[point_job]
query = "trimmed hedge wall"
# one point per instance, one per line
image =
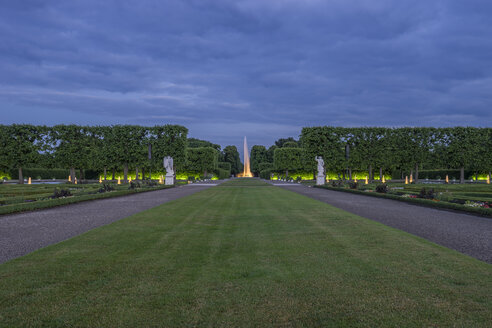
(265, 166)
(223, 174)
(41, 173)
(225, 166)
(265, 174)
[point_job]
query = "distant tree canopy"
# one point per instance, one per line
(258, 155)
(198, 143)
(281, 142)
(231, 155)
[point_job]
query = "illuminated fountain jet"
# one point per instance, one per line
(246, 172)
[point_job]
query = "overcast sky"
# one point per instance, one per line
(260, 68)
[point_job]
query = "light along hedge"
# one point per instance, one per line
(99, 148)
(405, 149)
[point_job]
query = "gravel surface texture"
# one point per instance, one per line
(468, 234)
(24, 233)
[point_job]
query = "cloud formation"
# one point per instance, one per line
(259, 68)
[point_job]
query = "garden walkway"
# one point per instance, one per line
(468, 234)
(23, 233)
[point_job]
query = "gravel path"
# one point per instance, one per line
(23, 233)
(468, 234)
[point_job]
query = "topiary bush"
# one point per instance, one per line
(135, 185)
(354, 185)
(105, 187)
(59, 193)
(382, 188)
(266, 174)
(337, 183)
(427, 193)
(223, 174)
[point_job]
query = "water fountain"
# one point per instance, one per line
(246, 171)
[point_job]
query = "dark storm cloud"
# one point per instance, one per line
(259, 68)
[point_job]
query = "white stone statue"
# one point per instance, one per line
(321, 165)
(320, 178)
(169, 165)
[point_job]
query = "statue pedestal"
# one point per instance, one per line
(320, 180)
(169, 179)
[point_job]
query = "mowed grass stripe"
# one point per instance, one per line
(245, 254)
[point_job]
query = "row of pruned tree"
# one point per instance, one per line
(106, 148)
(384, 149)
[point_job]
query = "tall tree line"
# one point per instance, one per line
(381, 149)
(96, 147)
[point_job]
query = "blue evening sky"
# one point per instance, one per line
(260, 68)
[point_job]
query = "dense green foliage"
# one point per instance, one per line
(258, 155)
(231, 155)
(198, 143)
(245, 254)
(406, 149)
(286, 159)
(19, 145)
(203, 159)
(282, 142)
(90, 147)
(41, 173)
(224, 165)
(222, 174)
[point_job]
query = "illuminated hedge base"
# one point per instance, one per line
(329, 176)
(157, 175)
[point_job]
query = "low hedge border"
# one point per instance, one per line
(487, 212)
(41, 204)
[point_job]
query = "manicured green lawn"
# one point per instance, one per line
(245, 254)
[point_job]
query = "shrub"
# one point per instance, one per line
(354, 185)
(134, 185)
(337, 183)
(266, 174)
(150, 183)
(427, 194)
(58, 193)
(191, 178)
(105, 187)
(382, 188)
(223, 174)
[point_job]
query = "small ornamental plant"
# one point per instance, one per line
(427, 193)
(382, 188)
(409, 196)
(478, 204)
(61, 193)
(354, 185)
